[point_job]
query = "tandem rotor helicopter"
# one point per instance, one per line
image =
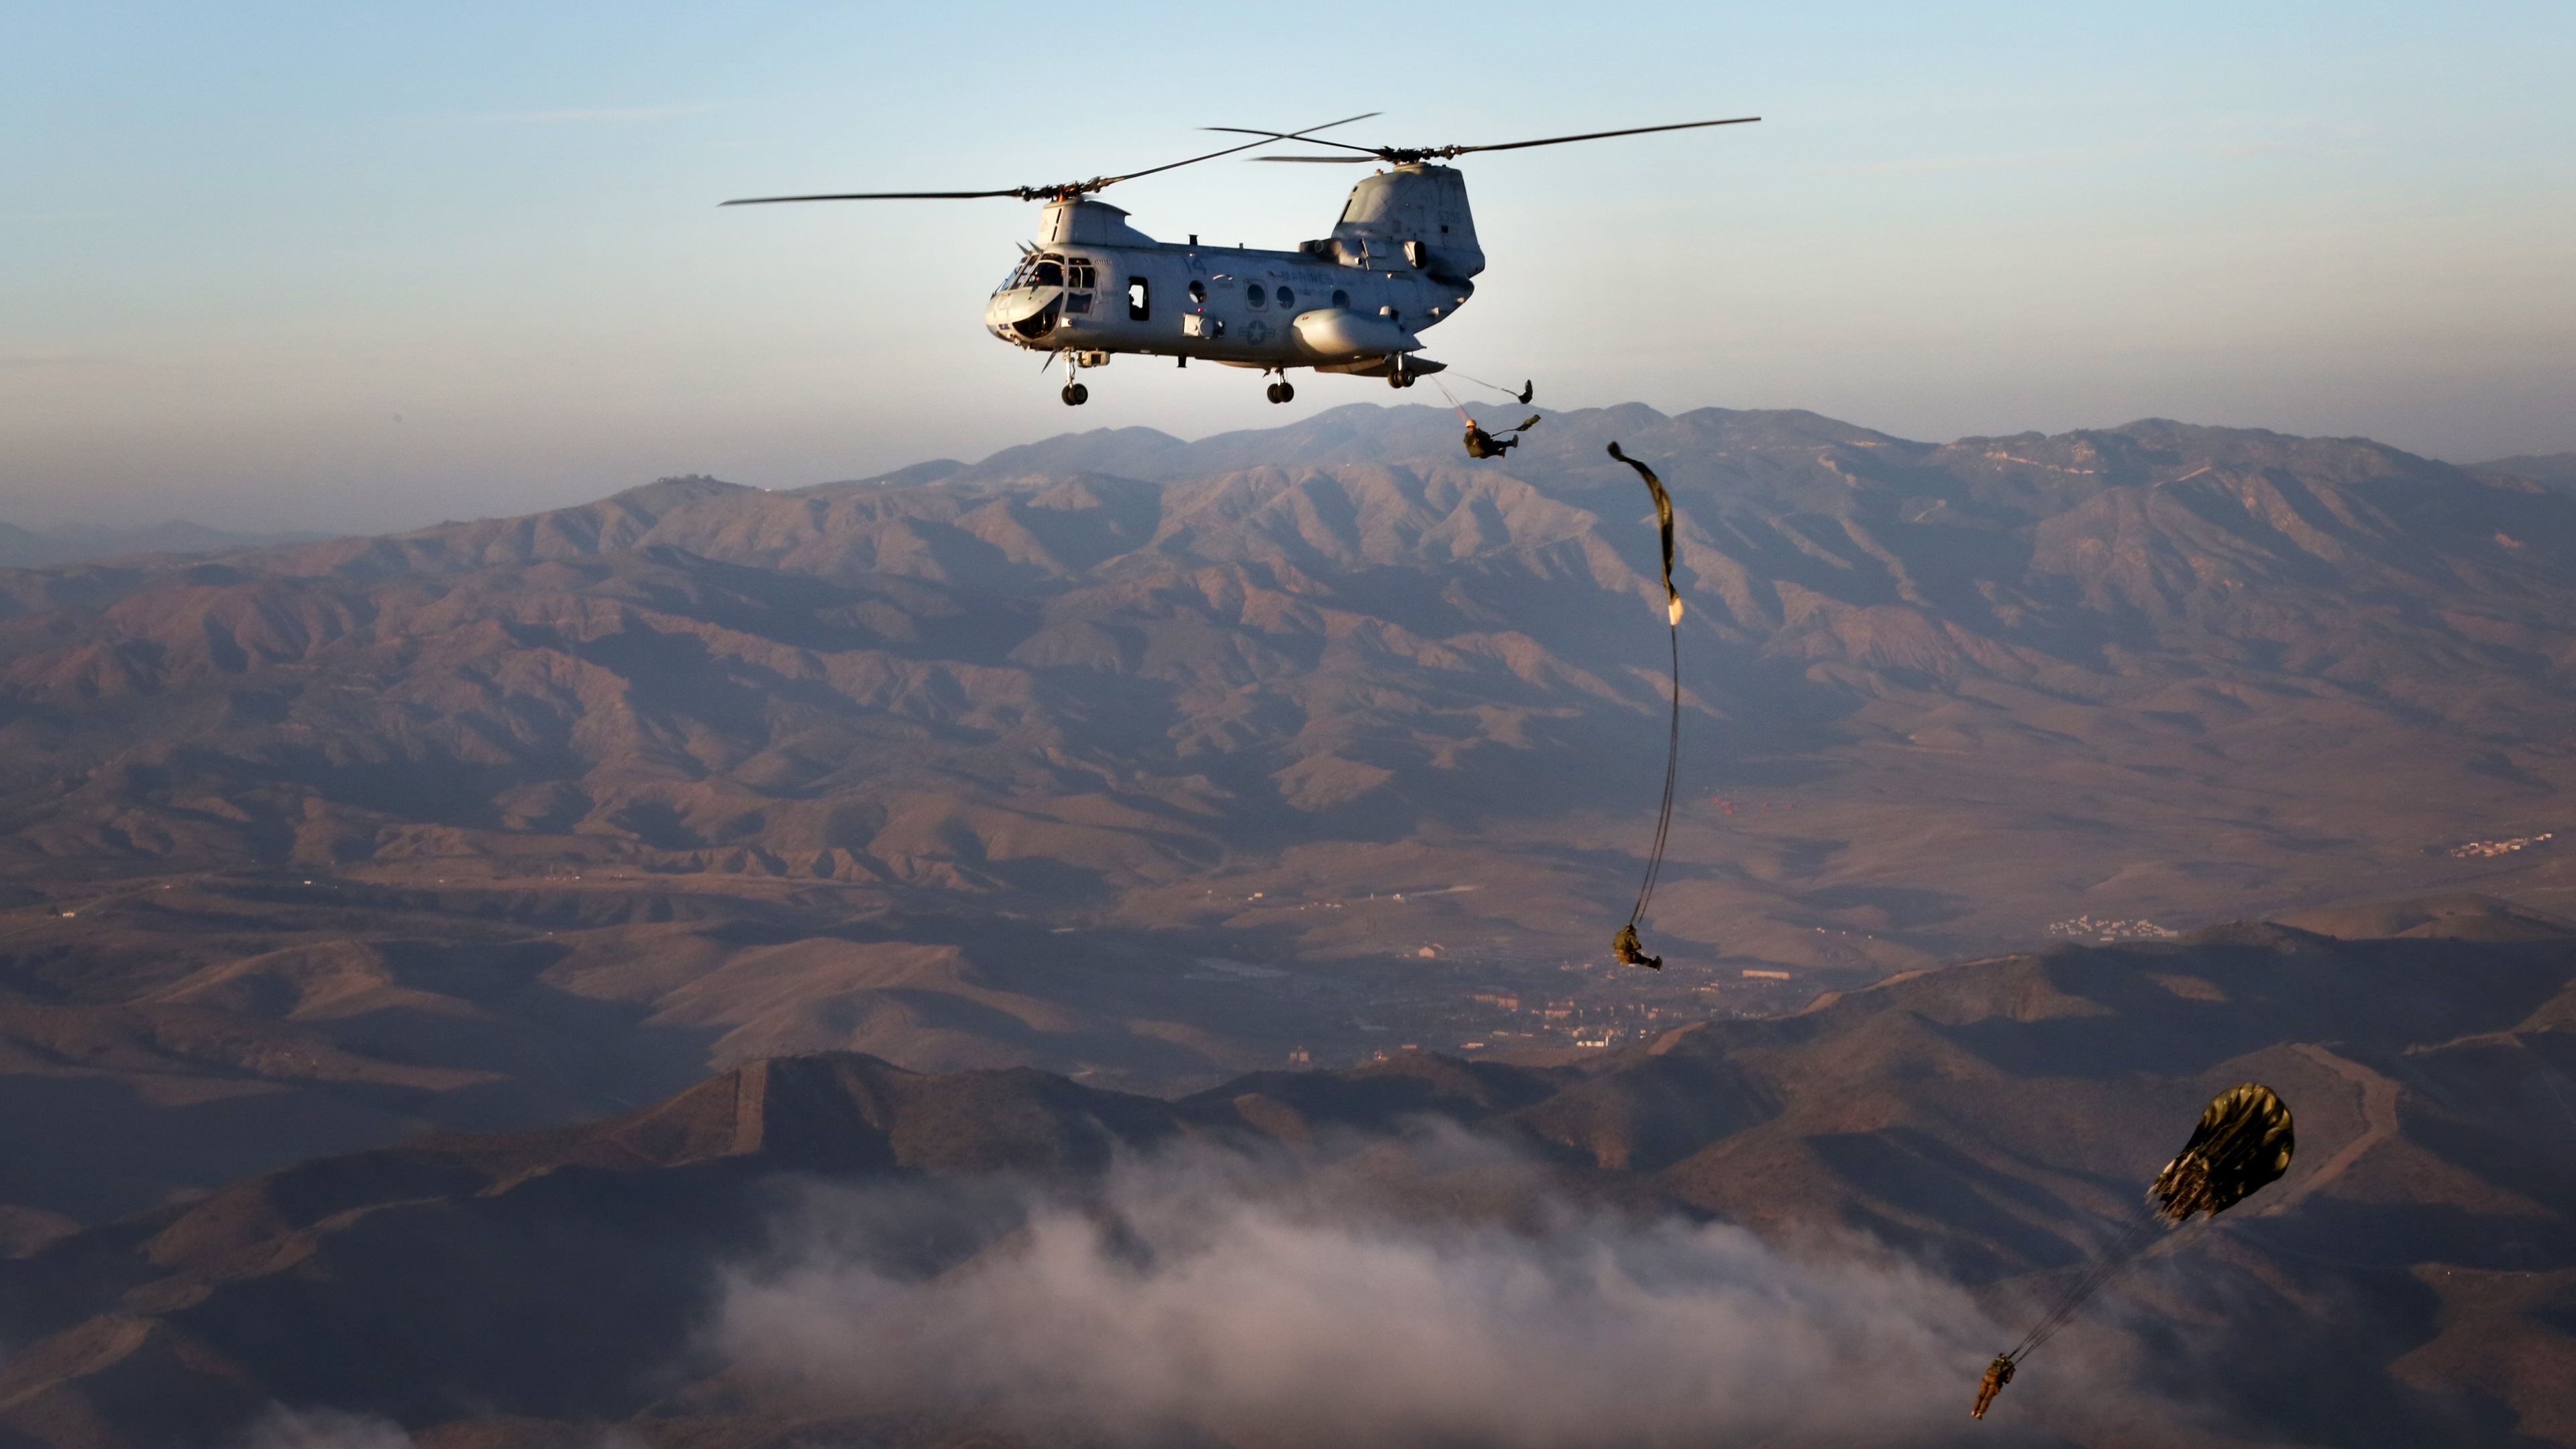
(1400, 260)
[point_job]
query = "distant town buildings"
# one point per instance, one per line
(2087, 928)
(2477, 848)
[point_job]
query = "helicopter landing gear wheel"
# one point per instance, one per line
(1280, 392)
(1075, 394)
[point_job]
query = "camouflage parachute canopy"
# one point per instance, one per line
(2243, 1141)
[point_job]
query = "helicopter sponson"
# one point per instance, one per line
(1401, 259)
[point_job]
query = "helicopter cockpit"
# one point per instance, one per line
(1050, 285)
(1050, 269)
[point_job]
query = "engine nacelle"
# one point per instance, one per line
(1411, 216)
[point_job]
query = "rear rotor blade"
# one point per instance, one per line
(1301, 135)
(1324, 160)
(1598, 135)
(1266, 138)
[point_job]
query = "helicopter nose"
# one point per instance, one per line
(1029, 314)
(1008, 309)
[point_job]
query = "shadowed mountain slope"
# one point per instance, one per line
(2407, 1283)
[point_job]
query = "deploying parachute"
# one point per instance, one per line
(1664, 523)
(2243, 1142)
(1625, 946)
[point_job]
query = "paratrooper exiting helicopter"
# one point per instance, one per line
(1402, 259)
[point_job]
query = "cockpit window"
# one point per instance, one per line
(1047, 273)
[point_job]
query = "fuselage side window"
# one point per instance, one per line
(1341, 298)
(1140, 300)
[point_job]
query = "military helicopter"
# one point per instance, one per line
(1401, 259)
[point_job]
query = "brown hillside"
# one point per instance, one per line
(2405, 1284)
(1158, 762)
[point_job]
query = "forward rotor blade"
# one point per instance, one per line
(1193, 161)
(1325, 160)
(1599, 135)
(874, 196)
(1077, 188)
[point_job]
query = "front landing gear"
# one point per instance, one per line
(1075, 394)
(1282, 391)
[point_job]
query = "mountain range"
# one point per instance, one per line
(28, 548)
(2557, 468)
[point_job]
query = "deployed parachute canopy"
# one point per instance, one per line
(2243, 1142)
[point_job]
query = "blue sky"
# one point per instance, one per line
(348, 266)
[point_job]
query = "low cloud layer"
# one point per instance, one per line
(285, 1427)
(1189, 1300)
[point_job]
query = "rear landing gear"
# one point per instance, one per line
(1282, 391)
(1075, 394)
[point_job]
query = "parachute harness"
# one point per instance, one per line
(1625, 945)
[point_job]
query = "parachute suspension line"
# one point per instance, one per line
(1521, 394)
(1625, 946)
(1454, 405)
(2143, 1243)
(1672, 771)
(2115, 1262)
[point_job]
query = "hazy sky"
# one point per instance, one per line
(363, 266)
